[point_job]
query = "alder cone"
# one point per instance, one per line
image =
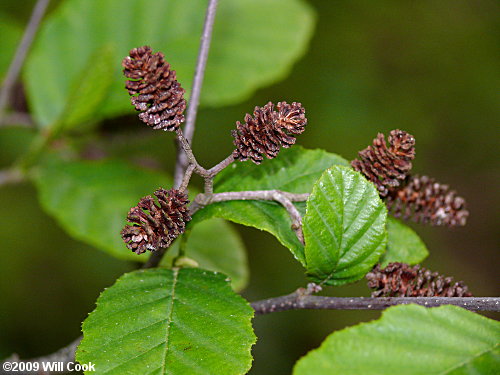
(402, 280)
(387, 166)
(268, 130)
(154, 89)
(426, 201)
(156, 225)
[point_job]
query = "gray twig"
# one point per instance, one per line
(187, 177)
(201, 64)
(21, 52)
(188, 152)
(293, 212)
(299, 301)
(194, 100)
(194, 166)
(219, 167)
(209, 175)
(302, 299)
(267, 195)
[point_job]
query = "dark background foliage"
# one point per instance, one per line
(431, 68)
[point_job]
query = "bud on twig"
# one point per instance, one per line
(154, 89)
(402, 280)
(268, 130)
(156, 226)
(426, 201)
(387, 166)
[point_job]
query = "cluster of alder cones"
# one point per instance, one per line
(159, 97)
(157, 94)
(401, 280)
(420, 198)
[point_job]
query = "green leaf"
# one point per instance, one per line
(410, 340)
(403, 245)
(90, 89)
(216, 246)
(90, 199)
(11, 33)
(294, 170)
(344, 227)
(255, 43)
(160, 321)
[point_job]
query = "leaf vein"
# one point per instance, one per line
(169, 319)
(469, 360)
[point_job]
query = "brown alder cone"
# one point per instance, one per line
(156, 225)
(387, 166)
(154, 89)
(268, 130)
(426, 201)
(402, 280)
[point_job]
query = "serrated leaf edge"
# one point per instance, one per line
(375, 213)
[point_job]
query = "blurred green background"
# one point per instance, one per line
(428, 67)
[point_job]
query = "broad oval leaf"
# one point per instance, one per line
(410, 340)
(403, 244)
(215, 246)
(255, 42)
(161, 321)
(344, 227)
(294, 170)
(90, 199)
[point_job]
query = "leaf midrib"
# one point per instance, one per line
(468, 360)
(169, 318)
